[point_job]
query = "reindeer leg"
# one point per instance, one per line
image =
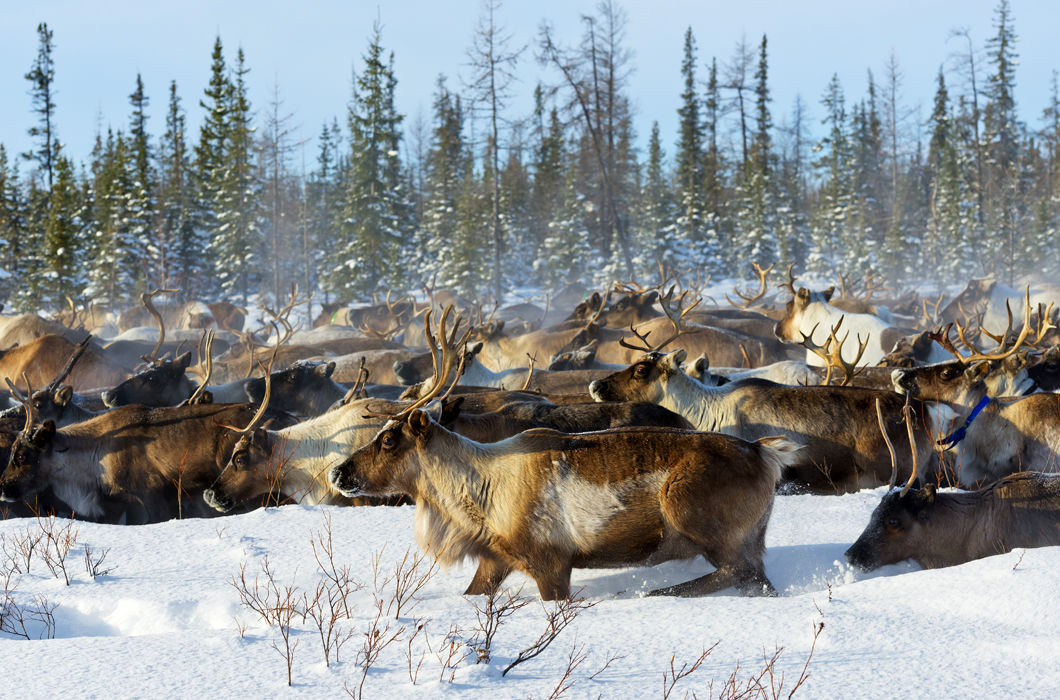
(554, 585)
(488, 577)
(749, 580)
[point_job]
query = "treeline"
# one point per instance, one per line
(484, 201)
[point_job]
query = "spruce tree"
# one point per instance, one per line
(829, 230)
(565, 253)
(62, 262)
(113, 265)
(181, 249)
(690, 151)
(141, 204)
(210, 155)
(42, 80)
(12, 227)
(447, 166)
(548, 173)
(374, 210)
(235, 244)
(1001, 132)
(657, 236)
(758, 242)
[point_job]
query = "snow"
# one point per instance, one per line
(167, 621)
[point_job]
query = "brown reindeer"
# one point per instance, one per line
(843, 450)
(544, 502)
(150, 464)
(937, 529)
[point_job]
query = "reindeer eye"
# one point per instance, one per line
(387, 442)
(640, 371)
(892, 523)
(240, 460)
(949, 373)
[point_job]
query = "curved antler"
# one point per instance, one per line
(146, 300)
(74, 357)
(675, 317)
(790, 284)
(253, 424)
(27, 402)
(197, 395)
(752, 298)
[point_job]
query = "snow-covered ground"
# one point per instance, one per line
(168, 622)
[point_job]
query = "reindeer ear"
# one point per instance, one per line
(977, 371)
(649, 298)
(675, 358)
(828, 293)
(63, 395)
(184, 360)
(325, 370)
(450, 410)
(595, 299)
(420, 422)
(926, 496)
(475, 347)
(803, 294)
(702, 364)
(43, 434)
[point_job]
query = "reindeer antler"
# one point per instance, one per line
(751, 297)
(443, 356)
(675, 316)
(832, 352)
(197, 395)
(253, 424)
(146, 299)
(1002, 352)
(27, 402)
(70, 362)
(790, 284)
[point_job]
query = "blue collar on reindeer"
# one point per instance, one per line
(957, 435)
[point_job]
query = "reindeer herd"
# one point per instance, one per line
(628, 426)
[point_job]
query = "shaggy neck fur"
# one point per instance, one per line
(704, 407)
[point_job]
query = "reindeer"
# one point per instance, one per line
(544, 502)
(810, 312)
(292, 463)
(134, 463)
(842, 449)
(950, 528)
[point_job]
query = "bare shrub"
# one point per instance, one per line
(338, 577)
(764, 684)
(20, 547)
(409, 577)
(575, 658)
(58, 540)
(489, 618)
(94, 562)
(377, 637)
(328, 609)
(17, 620)
(275, 604)
(565, 612)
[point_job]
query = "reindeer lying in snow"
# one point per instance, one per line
(946, 529)
(938, 529)
(544, 502)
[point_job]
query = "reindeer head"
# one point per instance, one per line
(897, 529)
(644, 380)
(162, 383)
(951, 382)
(388, 464)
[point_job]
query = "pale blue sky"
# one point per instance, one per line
(310, 48)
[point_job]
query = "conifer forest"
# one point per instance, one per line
(483, 200)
